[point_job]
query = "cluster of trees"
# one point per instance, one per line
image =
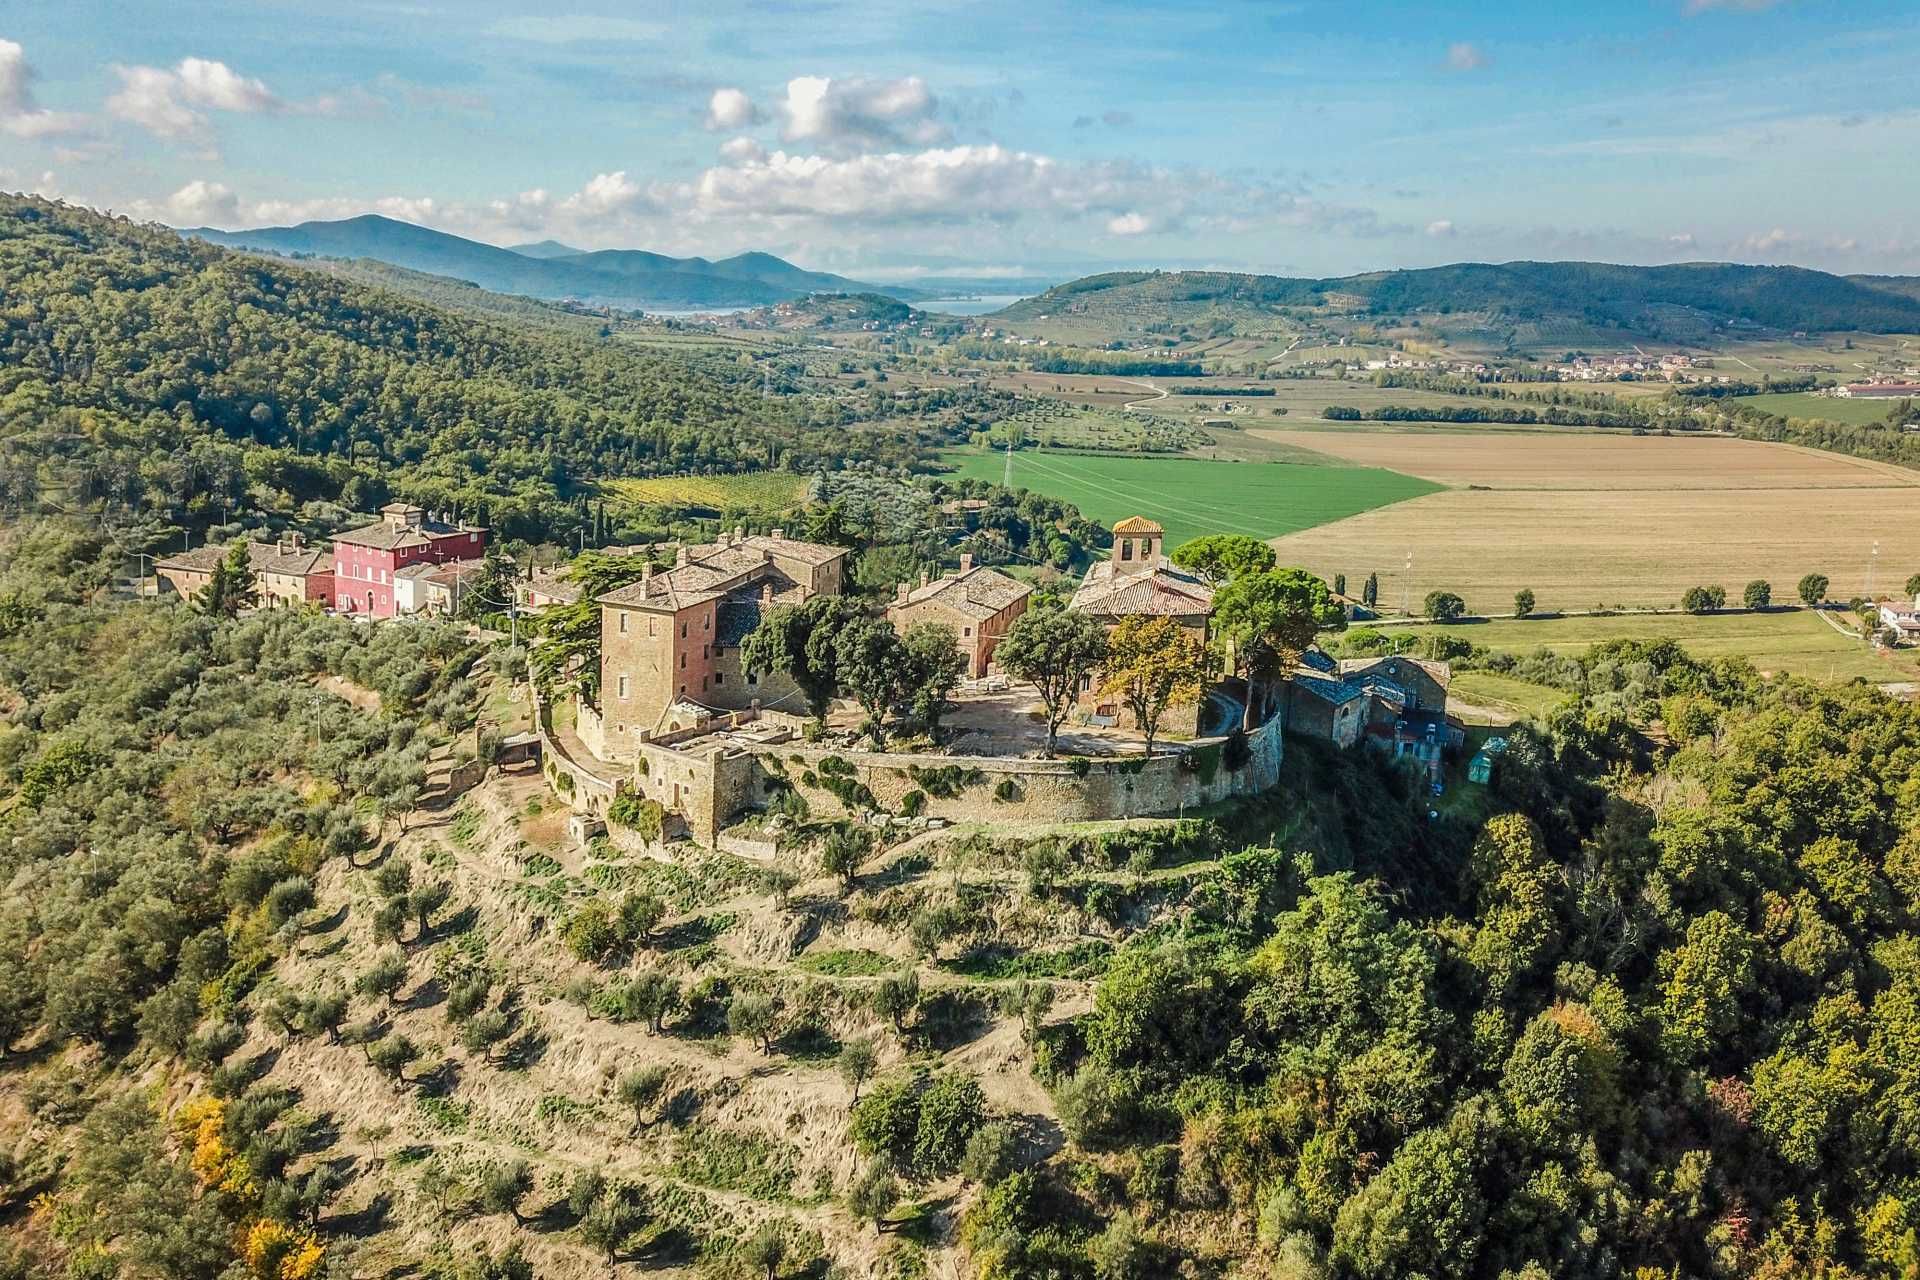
(1650, 1014)
(143, 372)
(829, 646)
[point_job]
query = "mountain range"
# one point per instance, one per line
(633, 279)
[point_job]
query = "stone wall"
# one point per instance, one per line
(1002, 789)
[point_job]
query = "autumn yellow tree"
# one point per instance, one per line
(1152, 664)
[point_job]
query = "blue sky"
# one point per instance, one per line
(983, 136)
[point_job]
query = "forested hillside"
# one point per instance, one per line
(141, 372)
(1786, 298)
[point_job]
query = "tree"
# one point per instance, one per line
(990, 1154)
(856, 1062)
(487, 590)
(1913, 586)
(1758, 594)
(1120, 1252)
(800, 642)
(609, 1223)
(844, 849)
(504, 1186)
(1218, 558)
(486, 1030)
(1340, 584)
(1523, 603)
(1056, 651)
(1370, 591)
(1152, 664)
(1270, 619)
(1813, 589)
(934, 668)
(766, 1248)
(230, 587)
(874, 1193)
(897, 995)
(1698, 600)
(423, 902)
(873, 670)
(755, 1017)
(640, 1089)
(1444, 606)
(386, 976)
(393, 1055)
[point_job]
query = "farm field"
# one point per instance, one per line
(1798, 404)
(1304, 399)
(756, 490)
(1191, 497)
(1588, 519)
(1058, 424)
(1794, 641)
(1504, 695)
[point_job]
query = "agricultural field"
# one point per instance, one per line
(1191, 496)
(1793, 641)
(1477, 696)
(752, 491)
(1831, 408)
(1588, 520)
(1058, 424)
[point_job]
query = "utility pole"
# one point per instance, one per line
(1406, 597)
(1872, 560)
(1006, 481)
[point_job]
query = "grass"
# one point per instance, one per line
(1832, 408)
(1056, 424)
(845, 964)
(1191, 497)
(737, 1160)
(1794, 641)
(755, 490)
(1518, 698)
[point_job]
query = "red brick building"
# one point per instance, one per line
(365, 559)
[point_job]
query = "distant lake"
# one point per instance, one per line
(975, 306)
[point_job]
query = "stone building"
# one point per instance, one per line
(285, 573)
(672, 639)
(979, 603)
(1137, 581)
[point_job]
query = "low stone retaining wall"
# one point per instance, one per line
(987, 788)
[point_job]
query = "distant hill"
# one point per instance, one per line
(545, 249)
(1784, 298)
(627, 278)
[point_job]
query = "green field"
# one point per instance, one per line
(1518, 698)
(1791, 640)
(1191, 497)
(1832, 408)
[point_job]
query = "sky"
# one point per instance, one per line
(994, 138)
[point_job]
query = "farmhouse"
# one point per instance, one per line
(1879, 390)
(979, 603)
(285, 572)
(1904, 622)
(670, 643)
(427, 587)
(366, 559)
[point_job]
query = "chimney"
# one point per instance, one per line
(901, 595)
(779, 534)
(966, 563)
(646, 576)
(923, 577)
(680, 555)
(739, 534)
(766, 595)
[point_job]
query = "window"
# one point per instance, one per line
(703, 684)
(623, 686)
(1126, 548)
(966, 631)
(683, 631)
(683, 662)
(473, 537)
(706, 623)
(752, 678)
(719, 677)
(650, 623)
(623, 623)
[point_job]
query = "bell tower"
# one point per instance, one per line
(1136, 545)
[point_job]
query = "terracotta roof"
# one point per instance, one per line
(554, 583)
(298, 563)
(382, 536)
(712, 572)
(1162, 591)
(203, 558)
(980, 592)
(1137, 524)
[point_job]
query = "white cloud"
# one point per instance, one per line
(731, 109)
(528, 210)
(1464, 56)
(1129, 224)
(203, 204)
(742, 149)
(604, 194)
(861, 114)
(1440, 229)
(20, 114)
(172, 103)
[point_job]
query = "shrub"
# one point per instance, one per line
(990, 1154)
(592, 933)
(637, 813)
(1006, 791)
(1097, 1107)
(912, 803)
